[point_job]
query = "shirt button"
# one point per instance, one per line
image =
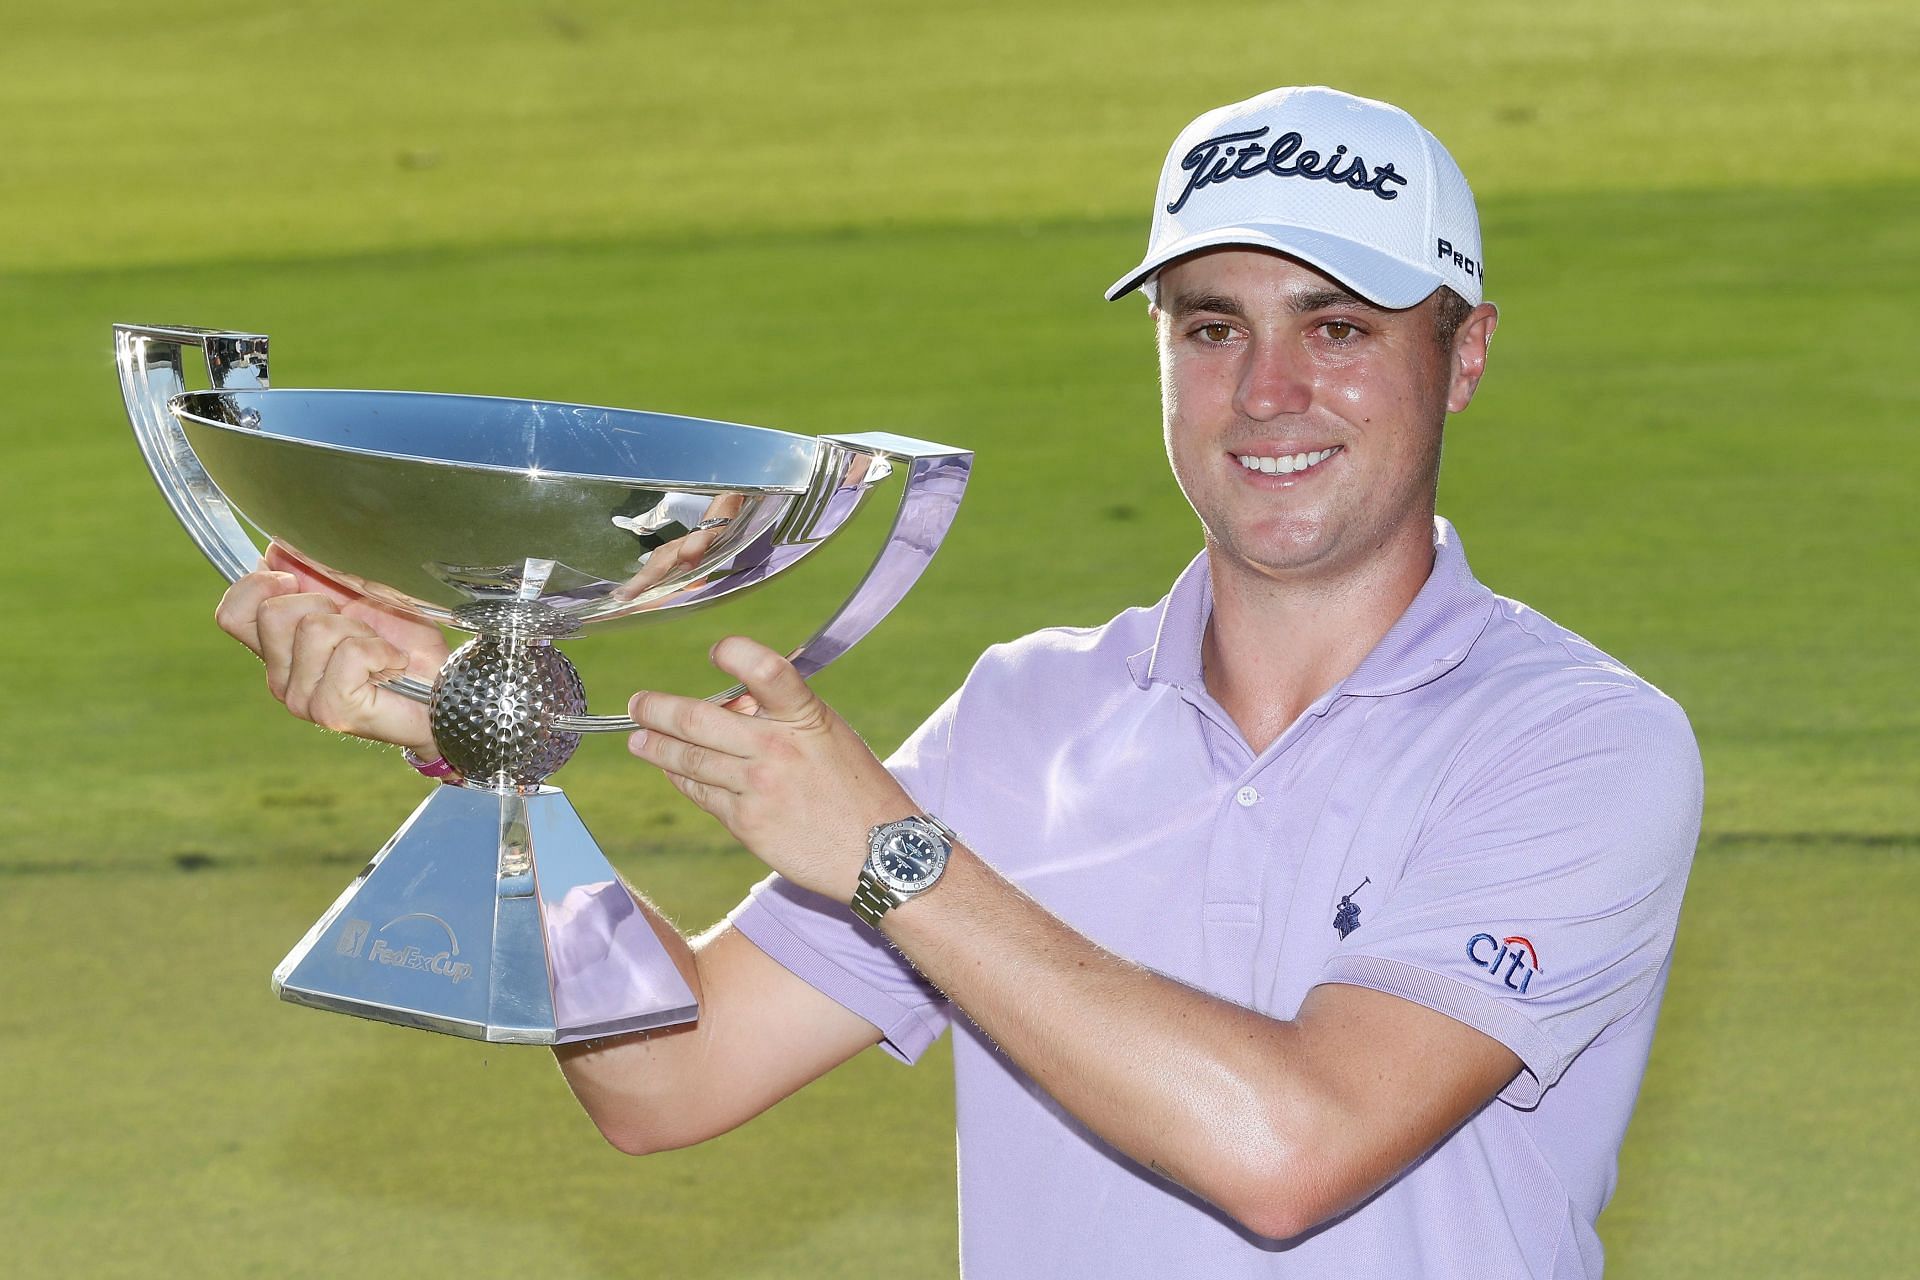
(1248, 797)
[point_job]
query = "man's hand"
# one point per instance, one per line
(325, 651)
(776, 766)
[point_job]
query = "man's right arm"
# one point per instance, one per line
(762, 1033)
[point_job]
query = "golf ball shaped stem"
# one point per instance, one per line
(494, 701)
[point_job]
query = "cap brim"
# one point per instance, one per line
(1381, 279)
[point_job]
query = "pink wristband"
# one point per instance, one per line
(438, 769)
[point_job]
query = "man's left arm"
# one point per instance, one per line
(1280, 1123)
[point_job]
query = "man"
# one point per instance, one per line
(1311, 922)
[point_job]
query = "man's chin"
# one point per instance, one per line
(1290, 555)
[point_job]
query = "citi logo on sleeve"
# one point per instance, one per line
(1511, 961)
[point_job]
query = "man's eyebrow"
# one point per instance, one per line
(1322, 299)
(1185, 304)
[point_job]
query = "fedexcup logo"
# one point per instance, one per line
(1227, 156)
(432, 958)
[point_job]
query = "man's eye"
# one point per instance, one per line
(1339, 330)
(1215, 332)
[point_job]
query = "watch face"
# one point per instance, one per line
(909, 856)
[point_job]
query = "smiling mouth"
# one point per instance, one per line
(1286, 465)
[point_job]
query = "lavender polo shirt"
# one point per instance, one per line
(1489, 817)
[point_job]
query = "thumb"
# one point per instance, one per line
(769, 678)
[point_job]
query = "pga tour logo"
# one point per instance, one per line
(1512, 961)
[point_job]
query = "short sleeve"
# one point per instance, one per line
(825, 945)
(1540, 901)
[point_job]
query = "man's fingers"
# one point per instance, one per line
(769, 677)
(278, 620)
(425, 647)
(239, 609)
(283, 578)
(689, 760)
(346, 699)
(715, 800)
(317, 634)
(693, 720)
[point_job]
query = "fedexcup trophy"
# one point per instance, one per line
(492, 913)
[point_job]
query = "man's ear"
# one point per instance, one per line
(1468, 360)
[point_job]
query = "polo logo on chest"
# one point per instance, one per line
(1511, 961)
(1347, 918)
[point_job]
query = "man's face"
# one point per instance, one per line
(1264, 359)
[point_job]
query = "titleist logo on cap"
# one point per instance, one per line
(1353, 228)
(1227, 156)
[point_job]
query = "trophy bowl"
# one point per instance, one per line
(492, 913)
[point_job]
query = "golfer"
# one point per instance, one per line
(1312, 921)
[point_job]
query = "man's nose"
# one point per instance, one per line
(1276, 381)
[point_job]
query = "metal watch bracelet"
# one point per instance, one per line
(872, 900)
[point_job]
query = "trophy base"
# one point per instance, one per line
(540, 944)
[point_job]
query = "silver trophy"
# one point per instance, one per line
(492, 913)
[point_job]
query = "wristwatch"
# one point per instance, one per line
(904, 859)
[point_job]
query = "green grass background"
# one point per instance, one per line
(1695, 446)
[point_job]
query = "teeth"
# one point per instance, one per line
(1285, 466)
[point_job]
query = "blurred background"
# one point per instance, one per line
(1695, 446)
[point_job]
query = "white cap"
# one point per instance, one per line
(1353, 187)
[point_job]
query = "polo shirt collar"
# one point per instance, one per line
(1431, 638)
(1174, 656)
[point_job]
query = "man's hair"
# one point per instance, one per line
(1449, 316)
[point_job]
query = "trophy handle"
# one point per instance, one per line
(152, 366)
(152, 363)
(936, 478)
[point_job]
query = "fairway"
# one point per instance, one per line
(1694, 446)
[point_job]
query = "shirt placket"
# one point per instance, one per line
(1246, 837)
